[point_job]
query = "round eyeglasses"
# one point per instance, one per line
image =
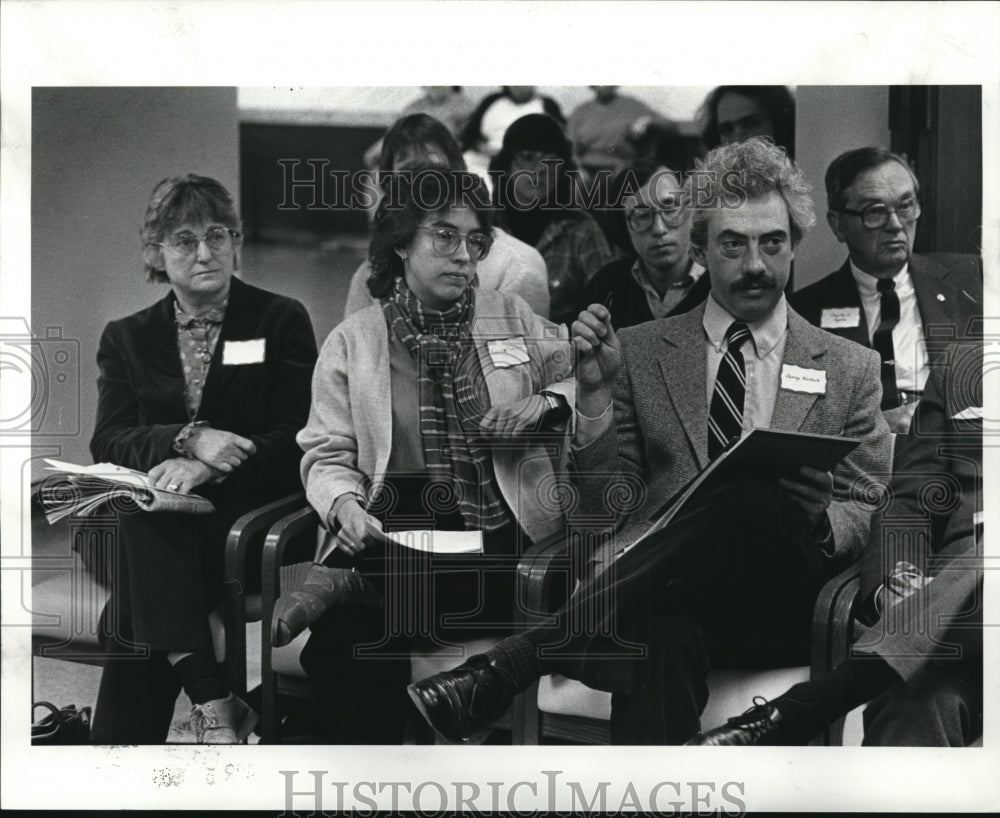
(186, 244)
(877, 215)
(445, 241)
(641, 219)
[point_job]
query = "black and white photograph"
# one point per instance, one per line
(377, 445)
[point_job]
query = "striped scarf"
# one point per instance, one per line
(453, 400)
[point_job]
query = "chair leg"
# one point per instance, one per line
(525, 717)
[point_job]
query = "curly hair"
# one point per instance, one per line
(421, 193)
(749, 170)
(181, 200)
(847, 167)
(775, 100)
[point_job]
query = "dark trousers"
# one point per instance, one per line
(358, 658)
(730, 582)
(934, 641)
(168, 580)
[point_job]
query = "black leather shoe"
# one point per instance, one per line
(322, 588)
(460, 704)
(762, 724)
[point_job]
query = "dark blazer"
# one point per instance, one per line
(949, 289)
(937, 483)
(141, 405)
(628, 301)
(659, 439)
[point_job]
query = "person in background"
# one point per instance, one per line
(658, 277)
(205, 390)
(920, 656)
(446, 103)
(600, 129)
(732, 113)
(497, 112)
(437, 408)
(885, 296)
(535, 191)
(420, 141)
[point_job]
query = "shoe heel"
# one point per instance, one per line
(249, 723)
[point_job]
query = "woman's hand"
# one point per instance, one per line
(181, 474)
(358, 529)
(511, 420)
(219, 449)
(599, 357)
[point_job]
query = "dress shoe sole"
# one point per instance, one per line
(478, 737)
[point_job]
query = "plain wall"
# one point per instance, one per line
(831, 119)
(97, 153)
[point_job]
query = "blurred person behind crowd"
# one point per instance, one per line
(446, 103)
(498, 111)
(658, 277)
(732, 113)
(601, 129)
(536, 193)
(420, 141)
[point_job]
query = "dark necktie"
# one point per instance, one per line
(882, 341)
(725, 415)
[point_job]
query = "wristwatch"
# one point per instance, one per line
(558, 409)
(184, 434)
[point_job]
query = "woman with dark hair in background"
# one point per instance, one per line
(651, 221)
(429, 410)
(732, 113)
(205, 391)
(535, 191)
(420, 141)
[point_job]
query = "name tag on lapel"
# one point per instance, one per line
(840, 318)
(508, 352)
(969, 413)
(799, 379)
(235, 353)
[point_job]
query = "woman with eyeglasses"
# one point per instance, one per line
(534, 189)
(440, 408)
(205, 391)
(652, 219)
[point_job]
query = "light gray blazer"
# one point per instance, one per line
(659, 438)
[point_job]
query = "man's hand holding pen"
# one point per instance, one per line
(598, 359)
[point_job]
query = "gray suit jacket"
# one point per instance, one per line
(658, 440)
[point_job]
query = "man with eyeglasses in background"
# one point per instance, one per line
(885, 296)
(651, 220)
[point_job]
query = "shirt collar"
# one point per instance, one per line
(765, 333)
(215, 315)
(868, 284)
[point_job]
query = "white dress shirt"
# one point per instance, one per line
(908, 342)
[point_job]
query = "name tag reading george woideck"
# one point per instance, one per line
(800, 379)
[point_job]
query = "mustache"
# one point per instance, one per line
(754, 282)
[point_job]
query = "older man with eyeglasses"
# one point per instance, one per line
(885, 296)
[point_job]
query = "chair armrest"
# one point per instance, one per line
(245, 539)
(833, 631)
(535, 574)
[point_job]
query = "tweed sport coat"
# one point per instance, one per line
(659, 438)
(949, 289)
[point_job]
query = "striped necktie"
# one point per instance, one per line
(725, 415)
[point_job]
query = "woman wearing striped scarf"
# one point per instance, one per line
(443, 407)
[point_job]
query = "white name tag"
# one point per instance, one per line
(970, 413)
(800, 379)
(235, 353)
(840, 318)
(508, 352)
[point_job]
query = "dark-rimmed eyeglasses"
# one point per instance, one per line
(186, 244)
(641, 219)
(877, 215)
(445, 241)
